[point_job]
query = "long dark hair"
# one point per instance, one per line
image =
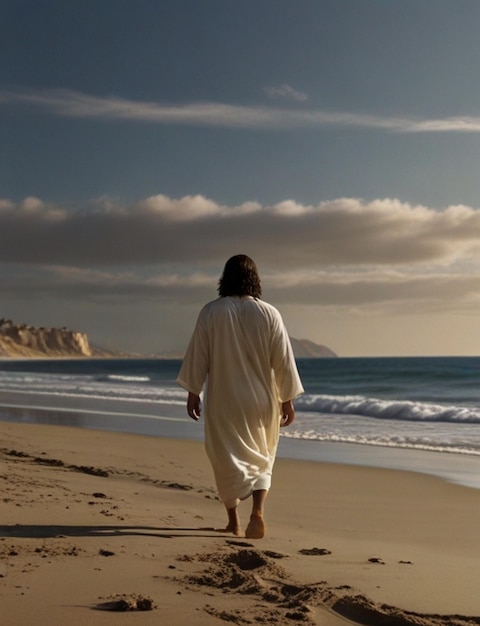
(240, 278)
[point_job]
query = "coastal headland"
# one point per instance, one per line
(25, 341)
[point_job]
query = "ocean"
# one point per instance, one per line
(411, 413)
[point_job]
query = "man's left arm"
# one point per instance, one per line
(193, 406)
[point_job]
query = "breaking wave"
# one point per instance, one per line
(391, 409)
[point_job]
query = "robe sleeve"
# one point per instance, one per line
(195, 365)
(284, 367)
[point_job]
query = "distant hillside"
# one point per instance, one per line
(23, 341)
(302, 349)
(306, 349)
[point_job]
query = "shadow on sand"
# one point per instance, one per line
(37, 531)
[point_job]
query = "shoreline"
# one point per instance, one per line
(97, 414)
(342, 540)
(452, 467)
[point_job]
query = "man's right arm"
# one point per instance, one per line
(288, 413)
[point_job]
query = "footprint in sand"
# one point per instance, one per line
(315, 551)
(376, 559)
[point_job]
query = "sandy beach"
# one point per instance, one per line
(94, 521)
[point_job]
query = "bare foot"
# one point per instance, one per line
(255, 528)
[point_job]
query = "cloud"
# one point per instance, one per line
(68, 103)
(375, 290)
(345, 254)
(195, 229)
(189, 208)
(389, 290)
(287, 92)
(114, 286)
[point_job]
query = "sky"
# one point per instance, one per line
(336, 142)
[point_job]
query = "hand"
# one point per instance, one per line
(193, 406)
(288, 413)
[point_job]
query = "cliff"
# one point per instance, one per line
(22, 341)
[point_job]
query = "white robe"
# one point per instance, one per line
(241, 349)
